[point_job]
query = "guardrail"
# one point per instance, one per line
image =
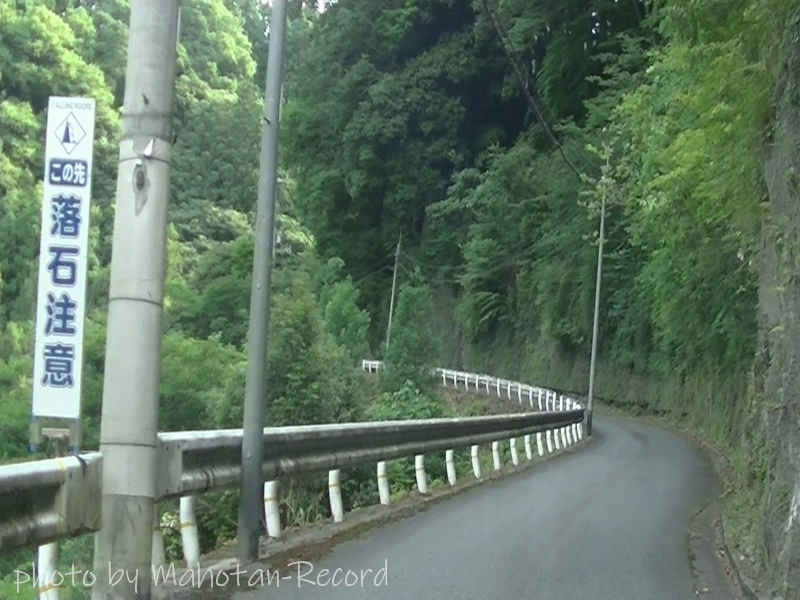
(546, 399)
(46, 501)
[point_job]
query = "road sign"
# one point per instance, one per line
(63, 252)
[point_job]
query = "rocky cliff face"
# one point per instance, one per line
(777, 367)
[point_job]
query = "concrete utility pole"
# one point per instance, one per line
(129, 422)
(590, 403)
(394, 286)
(251, 503)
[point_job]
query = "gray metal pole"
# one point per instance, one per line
(251, 504)
(394, 287)
(590, 403)
(129, 422)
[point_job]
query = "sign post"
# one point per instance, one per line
(63, 253)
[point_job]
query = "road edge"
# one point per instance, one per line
(734, 558)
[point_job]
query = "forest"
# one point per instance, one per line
(482, 136)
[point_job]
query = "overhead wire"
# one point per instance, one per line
(513, 256)
(526, 83)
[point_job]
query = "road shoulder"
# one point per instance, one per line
(720, 570)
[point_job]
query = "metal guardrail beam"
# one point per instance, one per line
(47, 500)
(199, 461)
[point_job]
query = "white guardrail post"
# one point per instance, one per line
(476, 463)
(335, 493)
(271, 510)
(47, 567)
(496, 455)
(422, 478)
(451, 467)
(514, 456)
(383, 483)
(191, 544)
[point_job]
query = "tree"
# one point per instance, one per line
(413, 347)
(345, 322)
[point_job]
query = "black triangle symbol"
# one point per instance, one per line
(66, 139)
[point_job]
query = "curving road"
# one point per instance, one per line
(609, 522)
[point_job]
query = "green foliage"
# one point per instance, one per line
(408, 402)
(310, 378)
(345, 322)
(406, 117)
(318, 331)
(413, 346)
(189, 396)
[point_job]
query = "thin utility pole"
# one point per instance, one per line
(590, 403)
(251, 505)
(394, 287)
(129, 423)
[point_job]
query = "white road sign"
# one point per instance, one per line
(63, 251)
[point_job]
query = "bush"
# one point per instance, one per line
(413, 346)
(410, 403)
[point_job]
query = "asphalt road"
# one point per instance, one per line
(608, 522)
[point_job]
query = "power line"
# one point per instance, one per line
(525, 82)
(371, 274)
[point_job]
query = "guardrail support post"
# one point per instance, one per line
(539, 446)
(47, 566)
(383, 483)
(476, 463)
(568, 431)
(271, 512)
(540, 399)
(555, 438)
(563, 437)
(528, 452)
(514, 456)
(335, 492)
(422, 478)
(159, 557)
(191, 545)
(451, 467)
(496, 455)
